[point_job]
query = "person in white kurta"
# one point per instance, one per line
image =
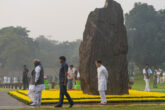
(31, 91)
(163, 75)
(147, 73)
(102, 74)
(158, 72)
(39, 83)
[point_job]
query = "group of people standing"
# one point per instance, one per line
(158, 76)
(36, 85)
(66, 76)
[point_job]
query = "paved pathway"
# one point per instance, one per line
(7, 102)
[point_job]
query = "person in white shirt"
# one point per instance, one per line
(163, 75)
(70, 76)
(78, 76)
(158, 72)
(147, 74)
(102, 74)
(38, 81)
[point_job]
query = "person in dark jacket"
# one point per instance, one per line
(25, 79)
(63, 83)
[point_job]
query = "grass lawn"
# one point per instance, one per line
(140, 85)
(5, 89)
(130, 107)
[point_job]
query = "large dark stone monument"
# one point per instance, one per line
(105, 38)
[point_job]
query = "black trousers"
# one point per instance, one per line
(63, 91)
(25, 85)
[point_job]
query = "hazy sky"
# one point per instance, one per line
(61, 19)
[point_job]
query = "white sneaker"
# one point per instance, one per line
(103, 103)
(39, 104)
(33, 104)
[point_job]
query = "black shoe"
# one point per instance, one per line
(58, 106)
(71, 105)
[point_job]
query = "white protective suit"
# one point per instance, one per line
(102, 82)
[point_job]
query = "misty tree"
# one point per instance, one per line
(17, 49)
(50, 50)
(146, 35)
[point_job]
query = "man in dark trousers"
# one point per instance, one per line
(25, 78)
(63, 83)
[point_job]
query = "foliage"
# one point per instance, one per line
(17, 49)
(49, 51)
(146, 35)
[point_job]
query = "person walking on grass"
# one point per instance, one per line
(147, 74)
(102, 74)
(63, 83)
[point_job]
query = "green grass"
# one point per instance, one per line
(136, 107)
(5, 89)
(139, 84)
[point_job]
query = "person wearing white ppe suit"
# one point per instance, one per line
(38, 81)
(102, 74)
